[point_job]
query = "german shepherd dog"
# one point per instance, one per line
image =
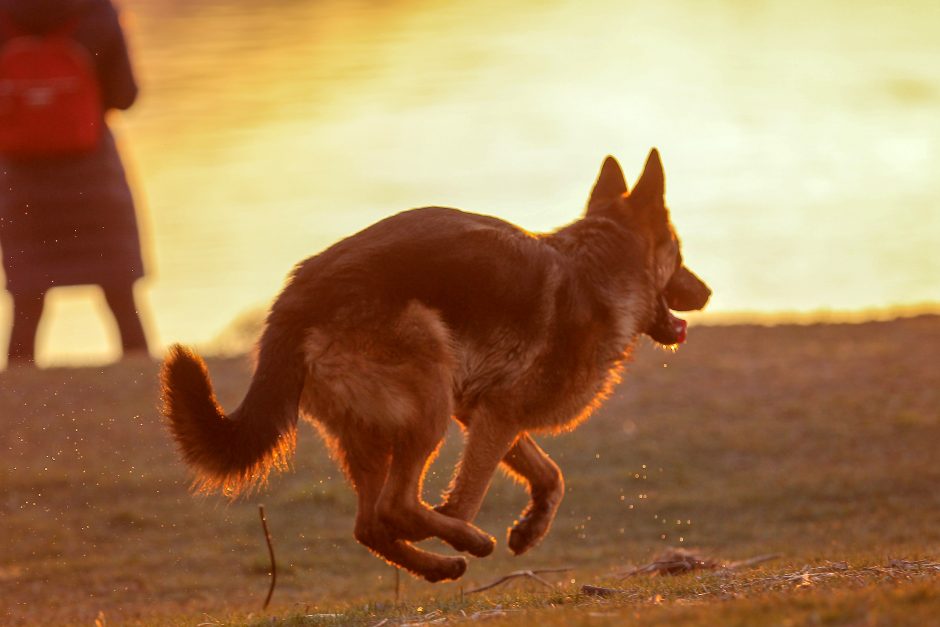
(435, 313)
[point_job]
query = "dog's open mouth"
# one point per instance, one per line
(667, 328)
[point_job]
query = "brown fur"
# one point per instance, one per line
(432, 314)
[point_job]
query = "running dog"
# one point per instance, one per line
(436, 313)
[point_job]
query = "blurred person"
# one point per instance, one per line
(67, 216)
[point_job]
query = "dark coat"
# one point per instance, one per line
(71, 220)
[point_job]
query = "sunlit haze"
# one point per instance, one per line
(801, 142)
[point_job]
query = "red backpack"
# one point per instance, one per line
(50, 99)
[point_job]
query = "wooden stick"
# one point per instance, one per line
(530, 574)
(267, 538)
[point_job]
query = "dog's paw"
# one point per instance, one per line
(518, 542)
(448, 568)
(472, 540)
(482, 546)
(525, 534)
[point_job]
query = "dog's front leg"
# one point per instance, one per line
(546, 489)
(488, 441)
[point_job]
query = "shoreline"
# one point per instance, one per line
(238, 343)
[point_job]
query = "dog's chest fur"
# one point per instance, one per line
(549, 380)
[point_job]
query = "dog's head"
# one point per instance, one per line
(644, 212)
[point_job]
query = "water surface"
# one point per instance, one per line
(801, 140)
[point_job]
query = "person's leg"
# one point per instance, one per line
(120, 299)
(27, 310)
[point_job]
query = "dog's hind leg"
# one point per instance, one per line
(546, 489)
(388, 392)
(401, 509)
(368, 470)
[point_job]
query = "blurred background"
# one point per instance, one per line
(801, 142)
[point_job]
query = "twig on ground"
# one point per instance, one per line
(678, 561)
(914, 565)
(267, 538)
(529, 574)
(760, 559)
(672, 562)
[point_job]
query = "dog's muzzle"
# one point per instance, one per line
(685, 291)
(667, 329)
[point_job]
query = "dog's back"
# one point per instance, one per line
(475, 270)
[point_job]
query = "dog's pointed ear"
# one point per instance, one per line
(609, 187)
(650, 189)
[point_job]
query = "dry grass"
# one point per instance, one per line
(815, 442)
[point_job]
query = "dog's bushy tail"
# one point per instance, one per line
(233, 452)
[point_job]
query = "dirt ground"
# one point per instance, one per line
(816, 442)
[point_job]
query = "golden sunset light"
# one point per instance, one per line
(427, 312)
(800, 141)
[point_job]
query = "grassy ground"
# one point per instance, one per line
(819, 443)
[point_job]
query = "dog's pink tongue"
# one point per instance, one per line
(681, 327)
